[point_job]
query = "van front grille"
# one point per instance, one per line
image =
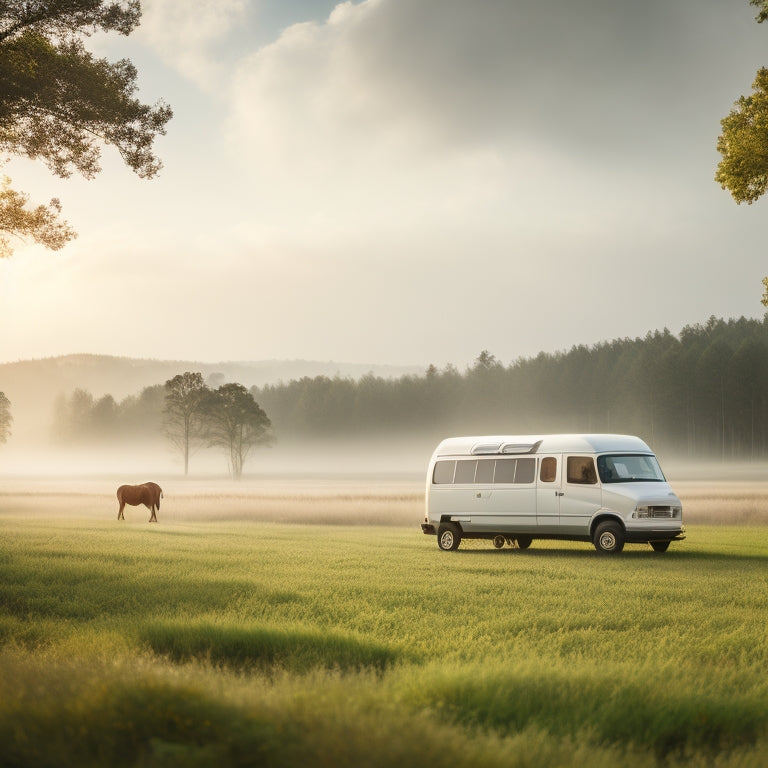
(663, 513)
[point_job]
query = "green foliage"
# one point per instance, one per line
(58, 100)
(41, 223)
(215, 644)
(743, 144)
(763, 6)
(60, 104)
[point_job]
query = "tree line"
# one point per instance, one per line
(185, 410)
(702, 393)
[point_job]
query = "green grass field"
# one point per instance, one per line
(219, 638)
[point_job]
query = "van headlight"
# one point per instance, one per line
(641, 511)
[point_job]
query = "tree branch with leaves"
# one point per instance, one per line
(743, 143)
(59, 104)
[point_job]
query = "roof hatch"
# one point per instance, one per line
(520, 447)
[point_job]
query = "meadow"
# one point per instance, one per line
(293, 623)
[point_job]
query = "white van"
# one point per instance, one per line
(607, 489)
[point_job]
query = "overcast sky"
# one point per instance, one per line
(405, 182)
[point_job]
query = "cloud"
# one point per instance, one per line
(190, 37)
(433, 120)
(398, 75)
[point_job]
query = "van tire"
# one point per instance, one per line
(608, 538)
(448, 537)
(523, 542)
(659, 546)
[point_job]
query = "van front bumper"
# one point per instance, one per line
(654, 534)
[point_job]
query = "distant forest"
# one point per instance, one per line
(702, 393)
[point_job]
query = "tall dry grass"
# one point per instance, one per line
(332, 500)
(724, 502)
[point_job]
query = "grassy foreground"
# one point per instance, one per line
(250, 643)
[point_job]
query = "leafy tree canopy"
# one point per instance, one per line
(236, 423)
(41, 223)
(743, 144)
(763, 6)
(60, 104)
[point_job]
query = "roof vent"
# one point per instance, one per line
(483, 449)
(520, 447)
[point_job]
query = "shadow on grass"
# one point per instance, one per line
(642, 711)
(634, 553)
(265, 649)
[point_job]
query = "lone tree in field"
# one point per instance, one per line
(60, 104)
(5, 418)
(236, 423)
(183, 415)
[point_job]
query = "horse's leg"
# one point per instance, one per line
(120, 515)
(153, 519)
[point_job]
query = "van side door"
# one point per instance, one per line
(548, 493)
(582, 495)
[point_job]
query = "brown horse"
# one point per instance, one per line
(148, 494)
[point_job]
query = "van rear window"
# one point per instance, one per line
(443, 473)
(485, 471)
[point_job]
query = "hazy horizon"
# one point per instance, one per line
(404, 182)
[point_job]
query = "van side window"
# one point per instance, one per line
(465, 471)
(505, 471)
(484, 473)
(518, 471)
(526, 471)
(443, 472)
(548, 471)
(581, 469)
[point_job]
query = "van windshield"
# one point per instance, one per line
(629, 468)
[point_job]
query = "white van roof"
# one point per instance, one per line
(519, 444)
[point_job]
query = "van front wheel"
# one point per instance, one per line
(448, 537)
(609, 538)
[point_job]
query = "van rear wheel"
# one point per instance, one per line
(523, 542)
(448, 537)
(660, 546)
(609, 538)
